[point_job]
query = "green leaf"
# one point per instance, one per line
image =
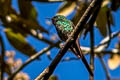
(53, 77)
(67, 8)
(79, 12)
(19, 42)
(29, 16)
(101, 21)
(27, 10)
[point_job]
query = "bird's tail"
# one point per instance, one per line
(75, 48)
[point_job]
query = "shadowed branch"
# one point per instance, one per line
(104, 66)
(2, 57)
(49, 70)
(32, 58)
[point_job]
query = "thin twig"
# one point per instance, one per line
(41, 38)
(24, 29)
(91, 23)
(87, 50)
(106, 39)
(104, 66)
(2, 57)
(104, 42)
(109, 27)
(92, 19)
(92, 51)
(49, 70)
(32, 58)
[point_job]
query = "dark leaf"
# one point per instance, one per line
(19, 42)
(115, 4)
(101, 21)
(29, 16)
(27, 10)
(53, 77)
(79, 12)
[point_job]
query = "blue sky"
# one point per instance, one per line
(71, 70)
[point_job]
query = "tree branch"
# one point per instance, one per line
(2, 56)
(49, 70)
(92, 51)
(104, 42)
(105, 69)
(32, 58)
(87, 50)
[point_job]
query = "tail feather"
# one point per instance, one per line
(75, 48)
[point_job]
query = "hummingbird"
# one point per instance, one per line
(64, 29)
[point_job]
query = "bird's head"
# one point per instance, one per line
(58, 18)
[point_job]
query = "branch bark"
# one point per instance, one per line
(91, 25)
(49, 70)
(32, 58)
(104, 66)
(92, 51)
(2, 57)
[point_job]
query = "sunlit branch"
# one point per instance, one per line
(104, 42)
(97, 51)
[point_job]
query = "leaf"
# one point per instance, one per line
(19, 42)
(29, 16)
(53, 77)
(27, 10)
(115, 4)
(101, 21)
(114, 62)
(4, 6)
(15, 27)
(79, 12)
(24, 24)
(67, 8)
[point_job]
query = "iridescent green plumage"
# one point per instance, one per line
(64, 29)
(63, 26)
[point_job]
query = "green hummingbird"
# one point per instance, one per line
(64, 29)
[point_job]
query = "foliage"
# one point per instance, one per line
(18, 26)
